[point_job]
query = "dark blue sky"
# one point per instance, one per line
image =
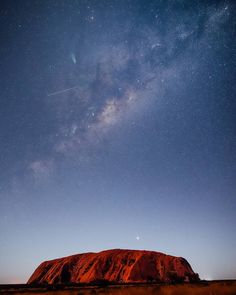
(117, 130)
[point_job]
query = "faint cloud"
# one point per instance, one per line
(41, 168)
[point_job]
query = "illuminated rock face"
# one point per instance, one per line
(114, 266)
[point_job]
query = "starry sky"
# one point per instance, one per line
(117, 130)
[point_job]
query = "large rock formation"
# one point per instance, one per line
(114, 266)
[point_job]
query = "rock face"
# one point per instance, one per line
(114, 266)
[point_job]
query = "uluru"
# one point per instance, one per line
(114, 266)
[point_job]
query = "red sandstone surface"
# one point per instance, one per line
(114, 266)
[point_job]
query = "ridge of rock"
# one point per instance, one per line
(114, 266)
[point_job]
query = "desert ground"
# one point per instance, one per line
(202, 288)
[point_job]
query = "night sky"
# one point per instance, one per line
(117, 130)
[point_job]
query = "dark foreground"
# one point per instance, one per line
(201, 288)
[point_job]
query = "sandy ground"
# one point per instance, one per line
(207, 288)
